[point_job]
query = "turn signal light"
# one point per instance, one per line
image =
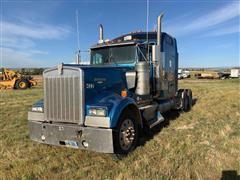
(124, 93)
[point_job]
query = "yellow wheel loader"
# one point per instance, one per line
(10, 79)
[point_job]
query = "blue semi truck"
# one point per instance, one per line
(105, 106)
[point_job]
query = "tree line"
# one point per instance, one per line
(31, 71)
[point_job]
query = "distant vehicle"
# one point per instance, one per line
(213, 75)
(182, 74)
(224, 75)
(235, 73)
(205, 76)
(10, 79)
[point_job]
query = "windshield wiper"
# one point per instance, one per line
(112, 59)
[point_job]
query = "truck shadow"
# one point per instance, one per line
(169, 116)
(230, 174)
(194, 101)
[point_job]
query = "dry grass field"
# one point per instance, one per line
(200, 144)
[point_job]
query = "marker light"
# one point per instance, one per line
(124, 93)
(127, 38)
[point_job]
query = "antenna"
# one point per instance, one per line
(78, 58)
(147, 29)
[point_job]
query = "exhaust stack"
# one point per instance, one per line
(159, 29)
(100, 34)
(157, 60)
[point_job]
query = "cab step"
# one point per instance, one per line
(156, 121)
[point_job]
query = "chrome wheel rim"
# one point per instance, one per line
(127, 134)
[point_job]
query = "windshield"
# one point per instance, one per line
(114, 55)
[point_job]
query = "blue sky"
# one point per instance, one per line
(43, 33)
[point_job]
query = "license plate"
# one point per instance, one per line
(72, 144)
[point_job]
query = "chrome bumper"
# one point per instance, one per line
(72, 135)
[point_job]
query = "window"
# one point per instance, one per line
(99, 56)
(114, 55)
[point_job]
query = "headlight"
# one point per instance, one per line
(97, 111)
(37, 109)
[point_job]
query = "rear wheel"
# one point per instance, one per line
(184, 100)
(22, 84)
(189, 95)
(126, 134)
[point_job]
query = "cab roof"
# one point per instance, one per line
(130, 38)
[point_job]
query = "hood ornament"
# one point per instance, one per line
(60, 69)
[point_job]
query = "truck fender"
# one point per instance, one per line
(116, 104)
(119, 108)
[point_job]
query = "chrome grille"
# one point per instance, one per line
(63, 99)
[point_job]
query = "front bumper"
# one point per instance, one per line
(72, 135)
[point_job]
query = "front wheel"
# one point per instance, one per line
(126, 134)
(22, 84)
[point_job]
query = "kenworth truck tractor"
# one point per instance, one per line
(105, 106)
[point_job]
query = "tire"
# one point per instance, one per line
(185, 103)
(126, 134)
(22, 84)
(16, 84)
(190, 103)
(186, 100)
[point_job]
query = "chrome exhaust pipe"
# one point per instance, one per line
(100, 34)
(159, 29)
(157, 60)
